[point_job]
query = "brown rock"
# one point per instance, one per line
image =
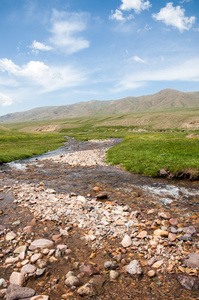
(164, 215)
(160, 232)
(102, 196)
(157, 264)
(173, 222)
(96, 189)
(151, 273)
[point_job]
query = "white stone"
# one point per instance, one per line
(126, 242)
(17, 278)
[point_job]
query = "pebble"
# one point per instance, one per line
(72, 281)
(158, 264)
(41, 243)
(159, 232)
(10, 236)
(126, 242)
(151, 273)
(114, 275)
(134, 268)
(110, 265)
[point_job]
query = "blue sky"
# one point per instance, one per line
(65, 51)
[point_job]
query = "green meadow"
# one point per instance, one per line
(144, 152)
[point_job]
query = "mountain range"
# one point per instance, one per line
(167, 99)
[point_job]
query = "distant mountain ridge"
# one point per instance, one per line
(164, 100)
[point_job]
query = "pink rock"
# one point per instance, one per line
(126, 242)
(172, 237)
(35, 257)
(173, 222)
(159, 232)
(27, 229)
(157, 264)
(28, 270)
(17, 278)
(142, 234)
(164, 215)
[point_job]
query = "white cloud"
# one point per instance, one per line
(65, 31)
(136, 5)
(187, 71)
(174, 16)
(40, 46)
(5, 100)
(47, 78)
(117, 15)
(138, 59)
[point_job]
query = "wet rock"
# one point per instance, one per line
(10, 236)
(114, 275)
(188, 282)
(191, 231)
(192, 260)
(16, 292)
(88, 269)
(17, 278)
(28, 270)
(102, 196)
(126, 242)
(110, 265)
(41, 243)
(72, 281)
(163, 173)
(134, 268)
(40, 272)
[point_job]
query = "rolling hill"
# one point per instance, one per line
(164, 100)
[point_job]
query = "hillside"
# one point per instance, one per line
(167, 99)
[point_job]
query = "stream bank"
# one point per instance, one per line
(57, 202)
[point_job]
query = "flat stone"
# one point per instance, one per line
(126, 242)
(28, 229)
(28, 269)
(88, 269)
(17, 278)
(159, 232)
(173, 221)
(16, 292)
(35, 257)
(188, 282)
(10, 236)
(41, 243)
(142, 234)
(191, 231)
(164, 215)
(102, 196)
(192, 260)
(158, 264)
(134, 268)
(20, 249)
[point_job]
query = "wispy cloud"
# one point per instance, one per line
(138, 59)
(37, 46)
(46, 77)
(5, 100)
(65, 31)
(187, 71)
(174, 16)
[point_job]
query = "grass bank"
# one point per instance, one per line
(16, 145)
(148, 152)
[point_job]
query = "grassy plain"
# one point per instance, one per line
(16, 145)
(144, 152)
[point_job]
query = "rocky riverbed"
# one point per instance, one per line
(73, 227)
